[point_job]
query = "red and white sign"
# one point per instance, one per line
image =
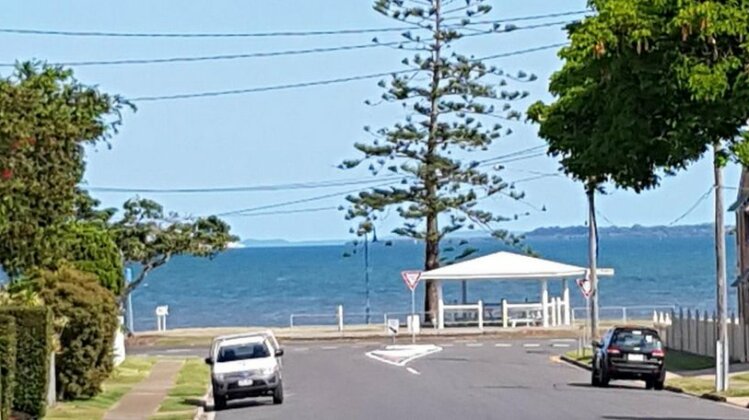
(411, 278)
(585, 287)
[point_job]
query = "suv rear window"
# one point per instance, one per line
(636, 339)
(243, 352)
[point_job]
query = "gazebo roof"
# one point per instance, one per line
(508, 265)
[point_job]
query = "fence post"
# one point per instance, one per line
(481, 315)
(339, 315)
(689, 331)
(560, 321)
(505, 313)
(624, 314)
(697, 331)
(291, 321)
(681, 329)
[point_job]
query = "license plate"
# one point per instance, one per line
(635, 357)
(245, 382)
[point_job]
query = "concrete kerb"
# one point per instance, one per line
(671, 388)
(201, 413)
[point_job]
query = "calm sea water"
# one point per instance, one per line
(263, 286)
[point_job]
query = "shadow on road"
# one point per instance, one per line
(235, 405)
(611, 386)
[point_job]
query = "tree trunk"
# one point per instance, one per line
(430, 180)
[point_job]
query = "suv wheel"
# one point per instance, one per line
(219, 402)
(603, 377)
(278, 394)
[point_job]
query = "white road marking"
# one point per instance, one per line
(560, 345)
(447, 345)
(401, 355)
(300, 349)
(505, 345)
(567, 340)
(177, 350)
(531, 345)
(475, 345)
(414, 371)
(329, 347)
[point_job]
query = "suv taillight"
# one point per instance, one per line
(613, 350)
(658, 353)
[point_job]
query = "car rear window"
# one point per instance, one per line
(636, 340)
(243, 352)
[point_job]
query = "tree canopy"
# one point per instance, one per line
(46, 118)
(455, 105)
(646, 88)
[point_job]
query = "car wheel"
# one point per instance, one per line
(278, 394)
(594, 378)
(604, 377)
(219, 402)
(649, 383)
(658, 384)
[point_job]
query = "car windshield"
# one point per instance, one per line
(242, 352)
(636, 339)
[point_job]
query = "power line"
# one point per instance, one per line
(105, 34)
(257, 188)
(300, 201)
(699, 201)
(225, 57)
(277, 212)
(307, 84)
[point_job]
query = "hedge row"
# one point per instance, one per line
(7, 364)
(33, 349)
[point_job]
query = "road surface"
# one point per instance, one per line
(481, 380)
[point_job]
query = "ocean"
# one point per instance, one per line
(264, 286)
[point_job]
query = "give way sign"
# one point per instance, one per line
(585, 287)
(411, 278)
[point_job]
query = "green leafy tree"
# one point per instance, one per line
(455, 106)
(46, 119)
(91, 248)
(647, 88)
(85, 316)
(149, 237)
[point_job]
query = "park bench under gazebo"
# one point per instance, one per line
(508, 266)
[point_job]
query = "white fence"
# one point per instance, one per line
(623, 314)
(461, 314)
(696, 332)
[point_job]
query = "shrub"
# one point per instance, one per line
(33, 347)
(7, 364)
(91, 248)
(86, 322)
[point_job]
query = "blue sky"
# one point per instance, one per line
(296, 135)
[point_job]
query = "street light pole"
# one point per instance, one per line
(721, 347)
(366, 278)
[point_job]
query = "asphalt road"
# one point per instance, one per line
(515, 380)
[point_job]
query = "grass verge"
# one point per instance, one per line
(706, 386)
(185, 396)
(133, 370)
(676, 361)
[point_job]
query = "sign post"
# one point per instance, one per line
(586, 288)
(411, 278)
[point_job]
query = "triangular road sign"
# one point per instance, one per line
(585, 287)
(411, 278)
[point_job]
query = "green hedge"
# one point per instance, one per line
(34, 346)
(7, 364)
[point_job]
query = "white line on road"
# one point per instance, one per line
(177, 351)
(505, 345)
(566, 340)
(447, 345)
(329, 347)
(559, 345)
(531, 345)
(474, 345)
(414, 371)
(300, 349)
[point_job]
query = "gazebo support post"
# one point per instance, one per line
(566, 298)
(440, 307)
(545, 303)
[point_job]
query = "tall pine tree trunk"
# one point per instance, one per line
(432, 247)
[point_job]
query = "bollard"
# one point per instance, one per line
(339, 315)
(481, 315)
(505, 313)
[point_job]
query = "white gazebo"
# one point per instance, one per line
(509, 266)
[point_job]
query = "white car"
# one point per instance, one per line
(244, 366)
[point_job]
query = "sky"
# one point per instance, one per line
(299, 135)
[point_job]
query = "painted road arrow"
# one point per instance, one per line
(401, 355)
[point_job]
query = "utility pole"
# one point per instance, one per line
(592, 260)
(128, 280)
(721, 346)
(366, 278)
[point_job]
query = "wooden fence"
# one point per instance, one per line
(695, 332)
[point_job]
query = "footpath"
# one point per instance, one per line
(145, 398)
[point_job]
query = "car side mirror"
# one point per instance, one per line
(208, 361)
(279, 352)
(597, 344)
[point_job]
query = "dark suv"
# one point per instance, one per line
(629, 353)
